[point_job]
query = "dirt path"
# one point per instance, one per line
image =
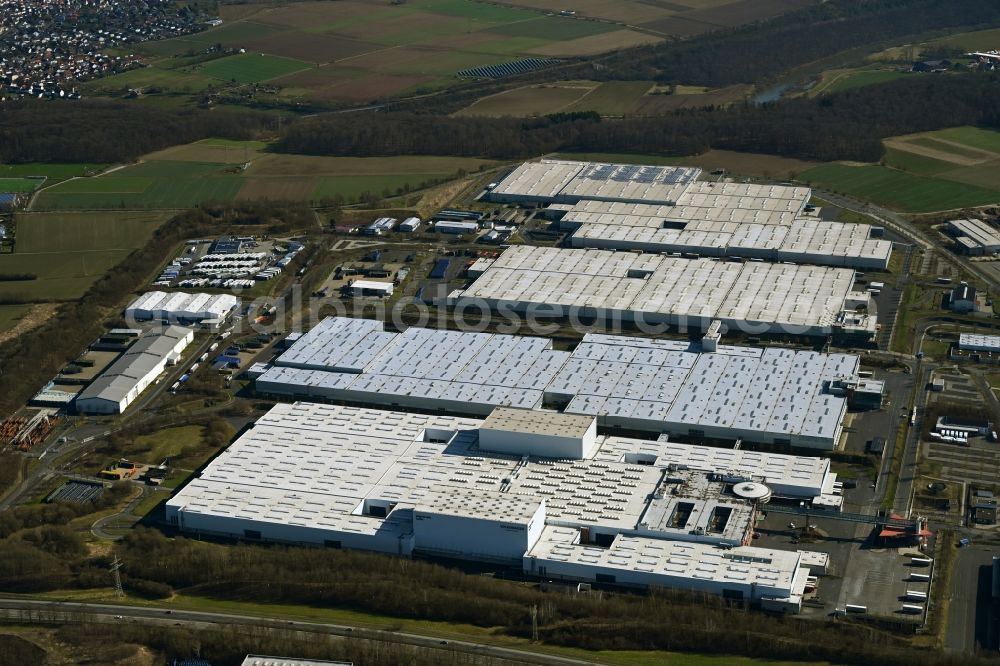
(926, 151)
(37, 316)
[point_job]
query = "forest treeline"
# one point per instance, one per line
(846, 125)
(761, 51)
(105, 132)
(154, 565)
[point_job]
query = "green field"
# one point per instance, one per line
(172, 169)
(153, 77)
(974, 137)
(897, 189)
(68, 251)
(11, 314)
(52, 171)
(210, 171)
(916, 164)
(251, 67)
(110, 192)
(978, 40)
(949, 148)
(19, 184)
(968, 155)
(863, 78)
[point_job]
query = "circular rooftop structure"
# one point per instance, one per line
(751, 490)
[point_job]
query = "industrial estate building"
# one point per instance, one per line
(975, 237)
(744, 226)
(774, 396)
(566, 181)
(605, 509)
(979, 342)
(753, 297)
(667, 209)
(122, 382)
(181, 307)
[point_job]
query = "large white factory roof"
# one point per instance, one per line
(570, 181)
(658, 385)
(770, 570)
(181, 305)
(773, 235)
(313, 472)
(755, 297)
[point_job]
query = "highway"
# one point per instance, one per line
(49, 612)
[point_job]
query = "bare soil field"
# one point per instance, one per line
(652, 105)
(316, 15)
(529, 100)
(310, 47)
(292, 188)
(629, 12)
(595, 44)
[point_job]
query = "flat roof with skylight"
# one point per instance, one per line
(768, 395)
(656, 289)
(401, 483)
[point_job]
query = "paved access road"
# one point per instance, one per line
(47, 612)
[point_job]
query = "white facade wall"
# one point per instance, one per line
(536, 444)
(472, 537)
(391, 540)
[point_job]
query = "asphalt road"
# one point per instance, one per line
(973, 617)
(47, 612)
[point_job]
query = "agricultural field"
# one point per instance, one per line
(10, 315)
(676, 18)
(848, 79)
(899, 190)
(18, 184)
(68, 251)
(353, 51)
(219, 171)
(50, 171)
(978, 40)
(531, 100)
(613, 98)
(251, 68)
(968, 155)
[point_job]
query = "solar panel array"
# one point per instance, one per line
(507, 68)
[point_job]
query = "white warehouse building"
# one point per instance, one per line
(122, 382)
(181, 307)
(635, 512)
(730, 219)
(752, 297)
(772, 396)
